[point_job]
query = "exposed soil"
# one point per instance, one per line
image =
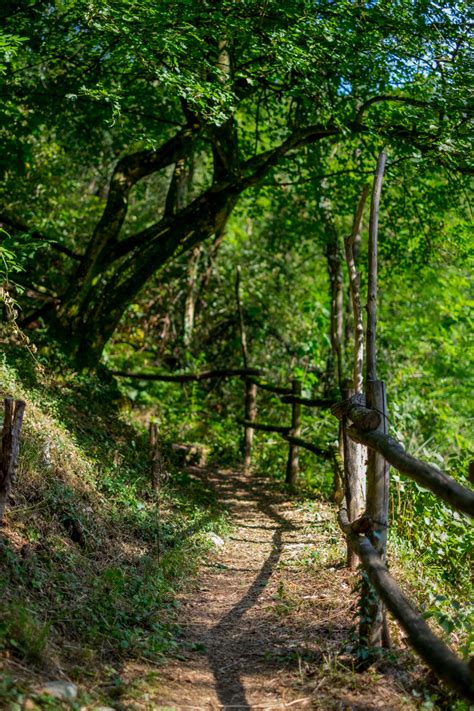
(268, 625)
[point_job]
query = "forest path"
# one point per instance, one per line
(267, 623)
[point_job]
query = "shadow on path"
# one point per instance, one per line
(228, 669)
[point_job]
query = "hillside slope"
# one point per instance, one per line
(91, 556)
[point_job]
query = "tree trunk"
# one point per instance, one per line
(10, 447)
(84, 327)
(354, 479)
(191, 295)
(113, 270)
(336, 293)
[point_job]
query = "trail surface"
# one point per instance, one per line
(268, 624)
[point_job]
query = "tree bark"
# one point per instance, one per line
(128, 171)
(354, 479)
(353, 408)
(190, 377)
(86, 327)
(372, 276)
(278, 429)
(354, 283)
(336, 293)
(371, 626)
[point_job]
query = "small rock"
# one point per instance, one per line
(214, 538)
(59, 690)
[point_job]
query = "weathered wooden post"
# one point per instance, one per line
(354, 477)
(292, 467)
(250, 415)
(156, 459)
(374, 632)
(353, 453)
(12, 421)
(338, 482)
(372, 622)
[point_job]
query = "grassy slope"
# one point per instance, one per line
(91, 559)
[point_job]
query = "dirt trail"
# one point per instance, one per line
(267, 625)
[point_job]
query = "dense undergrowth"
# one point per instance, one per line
(91, 557)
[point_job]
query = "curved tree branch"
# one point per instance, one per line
(388, 98)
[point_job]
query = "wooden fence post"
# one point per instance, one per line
(13, 418)
(250, 415)
(354, 479)
(373, 629)
(292, 467)
(156, 459)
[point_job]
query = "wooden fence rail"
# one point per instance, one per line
(426, 475)
(329, 454)
(190, 377)
(306, 401)
(276, 389)
(261, 427)
(437, 655)
(367, 429)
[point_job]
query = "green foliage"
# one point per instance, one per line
(9, 263)
(451, 616)
(21, 632)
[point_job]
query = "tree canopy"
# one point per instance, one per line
(132, 129)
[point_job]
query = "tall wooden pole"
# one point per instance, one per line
(354, 478)
(354, 285)
(156, 459)
(250, 416)
(243, 335)
(354, 453)
(372, 276)
(372, 628)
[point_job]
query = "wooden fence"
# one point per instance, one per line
(366, 534)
